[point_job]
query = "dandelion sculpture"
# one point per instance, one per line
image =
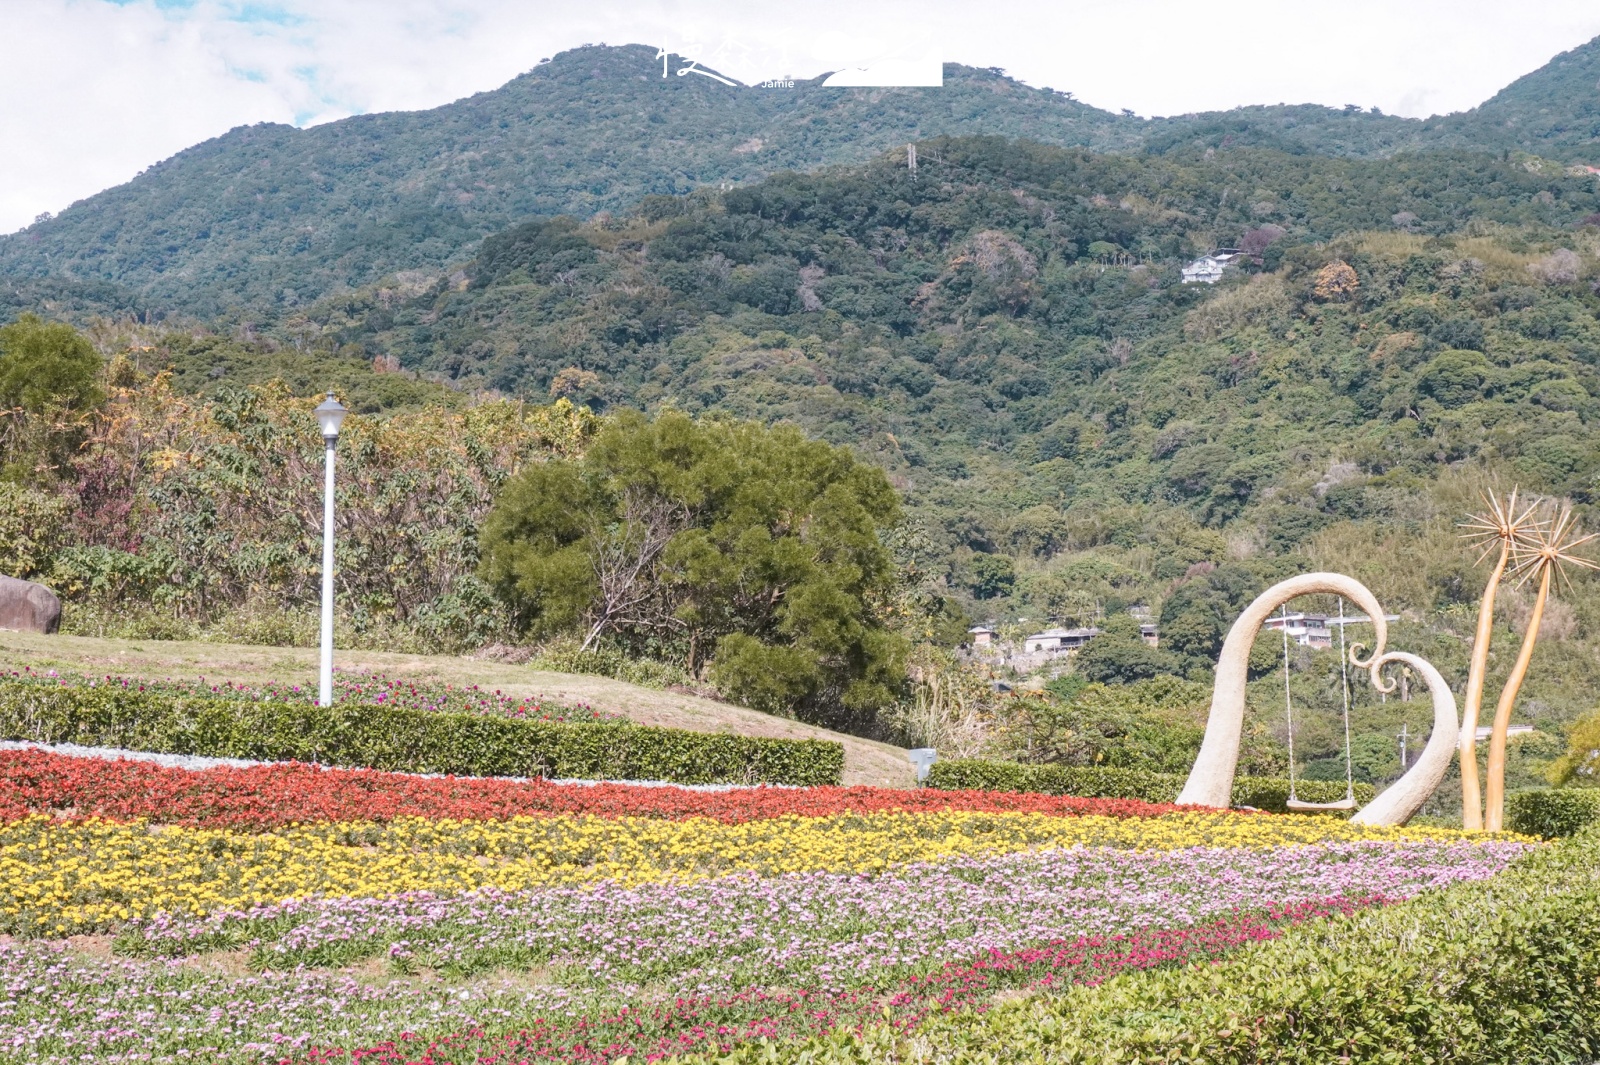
(1499, 531)
(1539, 552)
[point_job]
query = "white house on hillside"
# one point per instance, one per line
(1208, 269)
(1307, 630)
(1055, 641)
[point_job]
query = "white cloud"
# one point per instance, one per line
(92, 91)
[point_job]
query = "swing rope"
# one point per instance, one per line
(1344, 680)
(1288, 703)
(1288, 710)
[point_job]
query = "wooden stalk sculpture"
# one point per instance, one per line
(1496, 530)
(1542, 552)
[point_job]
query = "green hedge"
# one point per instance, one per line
(1263, 793)
(394, 738)
(1502, 971)
(1552, 812)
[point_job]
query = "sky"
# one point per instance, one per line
(94, 91)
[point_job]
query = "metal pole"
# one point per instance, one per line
(325, 687)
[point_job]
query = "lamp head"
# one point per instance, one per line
(330, 415)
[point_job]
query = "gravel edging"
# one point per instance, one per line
(195, 762)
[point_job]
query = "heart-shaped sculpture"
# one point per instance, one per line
(1210, 782)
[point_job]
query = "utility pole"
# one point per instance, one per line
(911, 158)
(1404, 730)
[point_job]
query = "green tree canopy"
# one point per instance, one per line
(45, 365)
(755, 550)
(49, 380)
(1120, 656)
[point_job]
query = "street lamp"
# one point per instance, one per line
(330, 415)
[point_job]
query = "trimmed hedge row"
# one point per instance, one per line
(1502, 971)
(1552, 812)
(1093, 782)
(405, 740)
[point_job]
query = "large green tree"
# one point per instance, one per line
(49, 381)
(1119, 655)
(753, 550)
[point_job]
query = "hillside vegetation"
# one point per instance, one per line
(1005, 332)
(1072, 431)
(320, 210)
(998, 338)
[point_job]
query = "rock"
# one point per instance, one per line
(28, 607)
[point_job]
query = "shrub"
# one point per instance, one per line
(189, 516)
(565, 655)
(31, 527)
(1552, 812)
(405, 740)
(1095, 782)
(1577, 766)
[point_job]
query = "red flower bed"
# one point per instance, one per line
(710, 1026)
(33, 781)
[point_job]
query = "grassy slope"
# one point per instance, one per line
(865, 762)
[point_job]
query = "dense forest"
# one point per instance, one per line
(1071, 430)
(1004, 330)
(319, 210)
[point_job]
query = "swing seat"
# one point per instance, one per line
(1346, 803)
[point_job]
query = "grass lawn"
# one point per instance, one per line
(865, 761)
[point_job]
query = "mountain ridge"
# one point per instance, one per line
(268, 218)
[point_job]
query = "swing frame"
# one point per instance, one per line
(1294, 802)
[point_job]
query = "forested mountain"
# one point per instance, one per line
(1005, 331)
(275, 216)
(1555, 111)
(268, 218)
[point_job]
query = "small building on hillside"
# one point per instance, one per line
(1208, 269)
(982, 636)
(1150, 634)
(1058, 641)
(1307, 630)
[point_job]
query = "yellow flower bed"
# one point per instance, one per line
(68, 877)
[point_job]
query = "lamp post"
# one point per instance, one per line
(330, 415)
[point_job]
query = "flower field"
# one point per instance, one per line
(294, 914)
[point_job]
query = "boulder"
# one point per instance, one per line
(28, 607)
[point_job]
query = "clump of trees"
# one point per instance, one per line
(49, 386)
(751, 554)
(156, 513)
